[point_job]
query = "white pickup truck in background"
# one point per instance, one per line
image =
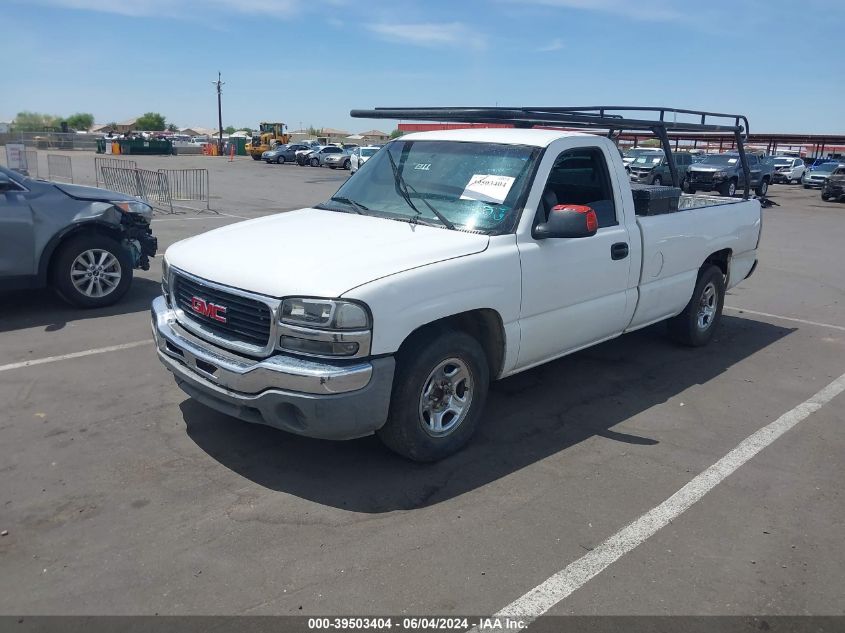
(452, 258)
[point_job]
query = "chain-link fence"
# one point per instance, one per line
(51, 140)
(59, 168)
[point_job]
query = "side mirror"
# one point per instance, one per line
(568, 220)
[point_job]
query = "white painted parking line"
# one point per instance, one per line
(786, 318)
(87, 352)
(550, 592)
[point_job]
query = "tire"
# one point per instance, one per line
(762, 188)
(410, 429)
(728, 189)
(332, 166)
(280, 160)
(81, 256)
(825, 197)
(806, 186)
(658, 181)
(254, 157)
(315, 162)
(690, 189)
(696, 325)
(347, 164)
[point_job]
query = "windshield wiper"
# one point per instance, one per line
(359, 208)
(403, 187)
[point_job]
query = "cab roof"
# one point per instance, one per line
(509, 136)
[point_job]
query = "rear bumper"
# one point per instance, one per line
(312, 398)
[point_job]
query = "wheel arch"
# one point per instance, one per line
(722, 260)
(484, 324)
(45, 264)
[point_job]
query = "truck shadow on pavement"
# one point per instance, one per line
(24, 309)
(528, 417)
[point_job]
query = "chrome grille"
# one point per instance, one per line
(247, 320)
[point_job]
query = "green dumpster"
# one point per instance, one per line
(138, 146)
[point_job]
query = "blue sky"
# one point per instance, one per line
(310, 62)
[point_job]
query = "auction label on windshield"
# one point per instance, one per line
(488, 188)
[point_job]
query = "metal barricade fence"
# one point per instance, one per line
(32, 162)
(188, 185)
(99, 163)
(151, 186)
(59, 166)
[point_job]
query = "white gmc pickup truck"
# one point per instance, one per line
(452, 258)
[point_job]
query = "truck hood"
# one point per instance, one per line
(314, 252)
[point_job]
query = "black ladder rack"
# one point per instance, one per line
(609, 118)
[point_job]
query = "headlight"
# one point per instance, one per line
(165, 280)
(719, 174)
(325, 327)
(135, 206)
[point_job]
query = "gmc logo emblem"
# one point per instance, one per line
(208, 309)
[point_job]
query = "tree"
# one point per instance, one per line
(151, 122)
(396, 133)
(172, 127)
(34, 121)
(229, 129)
(80, 121)
(312, 131)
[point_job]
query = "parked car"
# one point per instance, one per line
(390, 307)
(653, 168)
(788, 169)
(361, 155)
(318, 157)
(632, 154)
(283, 153)
(301, 155)
(723, 173)
(817, 176)
(81, 241)
(336, 160)
(834, 187)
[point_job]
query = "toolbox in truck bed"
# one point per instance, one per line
(655, 199)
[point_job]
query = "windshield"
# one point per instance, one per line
(368, 152)
(474, 186)
(826, 167)
(652, 159)
(720, 159)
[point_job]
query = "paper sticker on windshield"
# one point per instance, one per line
(731, 161)
(488, 188)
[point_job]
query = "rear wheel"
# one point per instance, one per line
(697, 323)
(92, 271)
(438, 396)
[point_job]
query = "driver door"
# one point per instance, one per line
(575, 291)
(17, 233)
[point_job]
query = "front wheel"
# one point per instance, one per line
(696, 325)
(92, 271)
(657, 181)
(315, 162)
(254, 157)
(762, 188)
(346, 164)
(728, 189)
(438, 396)
(825, 196)
(280, 160)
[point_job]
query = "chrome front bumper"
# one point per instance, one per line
(314, 398)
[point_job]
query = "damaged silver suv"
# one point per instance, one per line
(81, 241)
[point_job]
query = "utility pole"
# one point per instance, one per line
(219, 85)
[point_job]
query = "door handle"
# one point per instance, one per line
(619, 250)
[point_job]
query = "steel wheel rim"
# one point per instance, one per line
(446, 397)
(731, 189)
(95, 273)
(707, 306)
